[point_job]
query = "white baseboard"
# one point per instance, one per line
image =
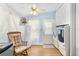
(37, 44)
(48, 46)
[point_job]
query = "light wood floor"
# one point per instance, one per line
(38, 50)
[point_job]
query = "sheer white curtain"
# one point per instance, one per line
(48, 28)
(35, 30)
(32, 31)
(14, 23)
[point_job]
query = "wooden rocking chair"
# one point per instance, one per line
(19, 49)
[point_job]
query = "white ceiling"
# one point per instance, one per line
(24, 9)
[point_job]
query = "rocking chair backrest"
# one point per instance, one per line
(15, 38)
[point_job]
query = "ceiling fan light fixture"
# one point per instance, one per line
(34, 9)
(33, 12)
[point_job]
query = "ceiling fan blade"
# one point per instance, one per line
(41, 10)
(36, 10)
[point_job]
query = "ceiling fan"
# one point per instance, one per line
(36, 10)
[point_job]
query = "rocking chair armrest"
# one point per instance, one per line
(24, 43)
(28, 46)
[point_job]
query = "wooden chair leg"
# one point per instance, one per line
(25, 53)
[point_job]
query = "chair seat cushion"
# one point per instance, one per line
(20, 49)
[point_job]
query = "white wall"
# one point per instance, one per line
(9, 21)
(4, 17)
(63, 14)
(73, 29)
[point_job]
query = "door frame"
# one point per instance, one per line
(72, 29)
